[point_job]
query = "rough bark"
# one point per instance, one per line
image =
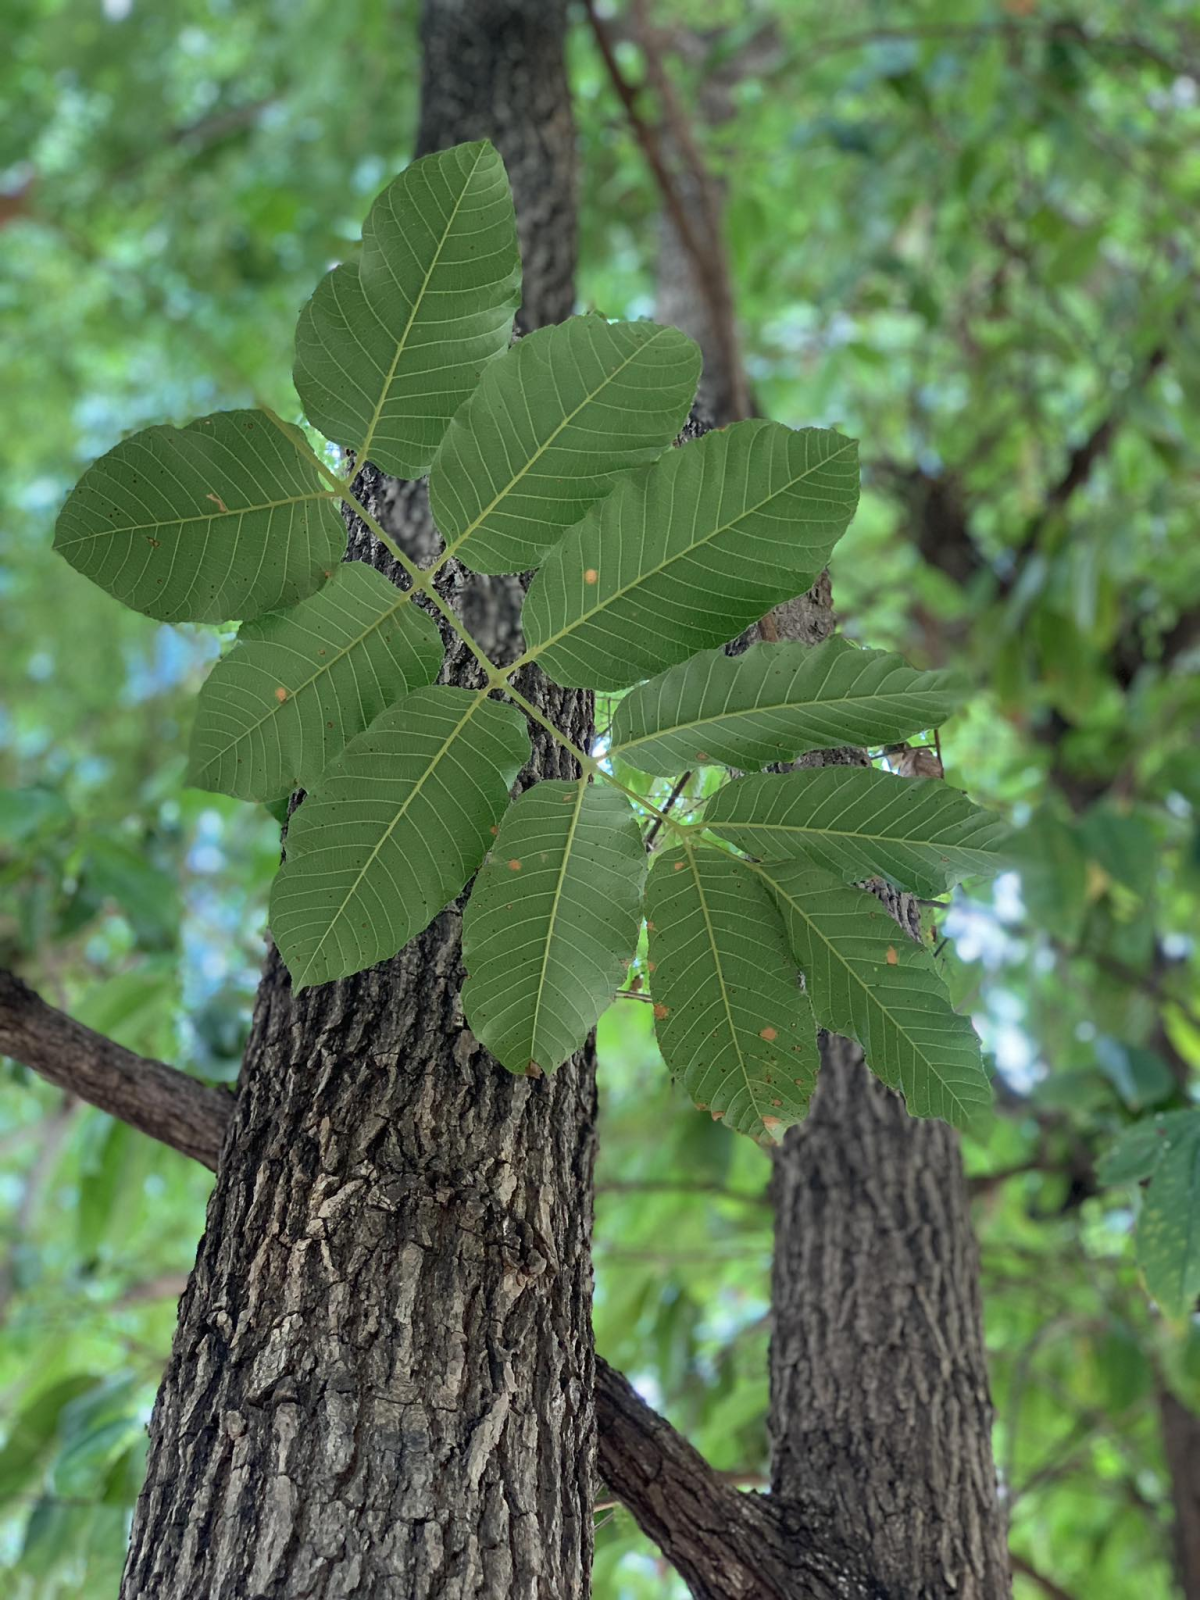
(881, 1418)
(880, 1411)
(1181, 1446)
(495, 69)
(149, 1095)
(381, 1383)
(727, 1545)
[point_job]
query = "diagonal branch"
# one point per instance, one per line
(150, 1096)
(721, 1541)
(701, 1522)
(1046, 1584)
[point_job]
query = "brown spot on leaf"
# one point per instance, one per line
(514, 865)
(768, 1034)
(771, 1122)
(591, 575)
(892, 958)
(281, 694)
(661, 1011)
(679, 866)
(218, 502)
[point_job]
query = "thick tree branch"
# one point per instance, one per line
(150, 1096)
(1045, 1584)
(725, 1543)
(941, 513)
(715, 1536)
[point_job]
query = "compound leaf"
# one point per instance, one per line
(684, 554)
(389, 346)
(732, 1020)
(215, 522)
(300, 684)
(858, 823)
(394, 829)
(552, 922)
(550, 426)
(775, 701)
(869, 981)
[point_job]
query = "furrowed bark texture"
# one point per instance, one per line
(381, 1383)
(880, 1411)
(1181, 1446)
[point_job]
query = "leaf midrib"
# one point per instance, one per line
(845, 833)
(554, 905)
(712, 942)
(361, 454)
(541, 450)
(806, 706)
(965, 1110)
(480, 696)
(278, 709)
(681, 555)
(182, 522)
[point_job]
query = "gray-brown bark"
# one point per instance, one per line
(880, 1411)
(1181, 1447)
(149, 1095)
(727, 1545)
(381, 1383)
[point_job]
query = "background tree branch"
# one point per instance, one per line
(149, 1095)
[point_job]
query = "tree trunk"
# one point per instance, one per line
(1181, 1446)
(880, 1413)
(381, 1382)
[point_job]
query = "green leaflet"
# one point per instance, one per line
(775, 701)
(36, 1430)
(389, 347)
(684, 554)
(1165, 1149)
(300, 684)
(393, 830)
(549, 427)
(215, 522)
(1138, 1149)
(732, 1021)
(870, 982)
(858, 823)
(552, 922)
(1168, 1231)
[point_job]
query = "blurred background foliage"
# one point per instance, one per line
(962, 232)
